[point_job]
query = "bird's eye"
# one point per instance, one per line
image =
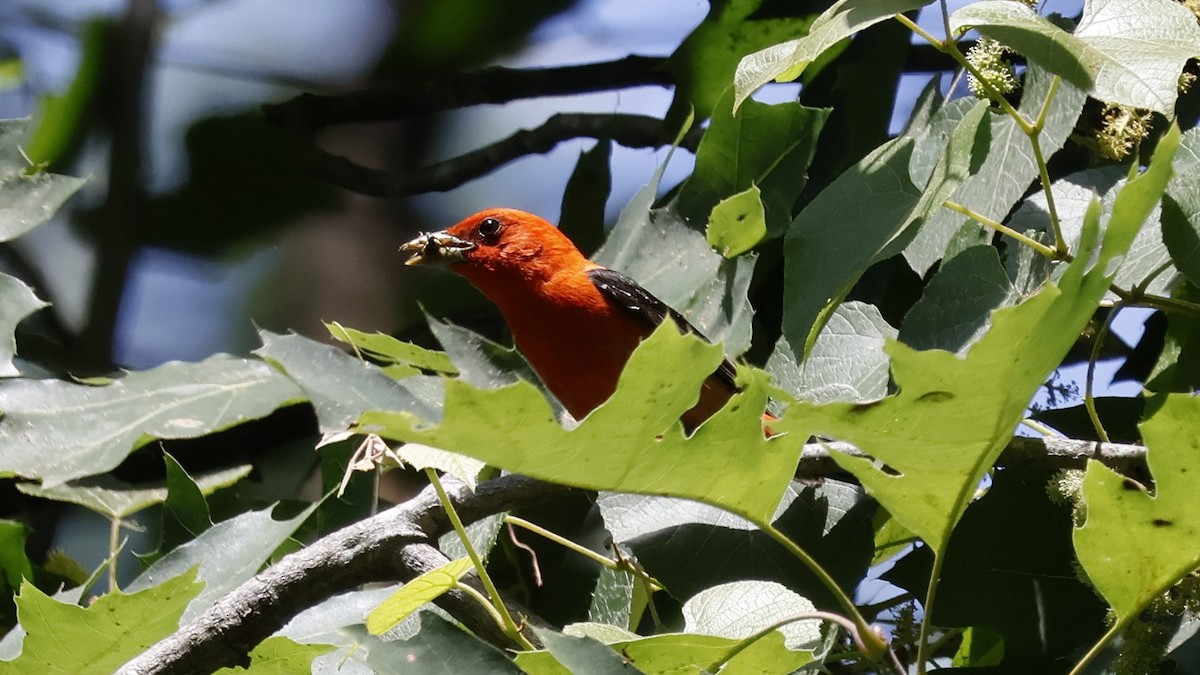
(489, 228)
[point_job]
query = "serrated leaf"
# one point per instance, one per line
(26, 200)
(63, 637)
(340, 386)
(765, 146)
(877, 196)
(462, 467)
(953, 416)
(706, 60)
(846, 363)
(14, 564)
(1002, 174)
(1135, 544)
(674, 653)
(741, 609)
(1122, 51)
(415, 594)
(383, 347)
(279, 655)
(789, 59)
(115, 498)
(955, 309)
(17, 301)
(612, 599)
(482, 534)
(1071, 198)
(226, 555)
(1181, 209)
(583, 655)
(439, 648)
(831, 521)
(56, 431)
(737, 224)
(585, 197)
(726, 462)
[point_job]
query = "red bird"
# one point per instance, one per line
(575, 321)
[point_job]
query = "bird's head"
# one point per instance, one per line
(495, 241)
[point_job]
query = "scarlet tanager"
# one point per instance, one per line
(575, 321)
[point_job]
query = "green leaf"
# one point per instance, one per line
(1002, 168)
(788, 60)
(419, 456)
(980, 648)
(17, 301)
(185, 510)
(877, 196)
(114, 498)
(63, 637)
(955, 309)
(765, 146)
(227, 554)
(738, 223)
(706, 60)
(385, 348)
(1123, 51)
(585, 197)
(612, 599)
(680, 653)
(953, 416)
(1010, 569)
(583, 655)
(415, 594)
(62, 122)
(1135, 544)
(831, 521)
(282, 656)
(659, 250)
(340, 386)
(741, 609)
(26, 199)
(57, 431)
(14, 564)
(1071, 198)
(482, 534)
(727, 461)
(1181, 209)
(439, 648)
(846, 363)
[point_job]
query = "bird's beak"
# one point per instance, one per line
(438, 248)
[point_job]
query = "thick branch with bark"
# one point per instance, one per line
(400, 543)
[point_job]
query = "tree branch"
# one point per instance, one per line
(1058, 453)
(632, 131)
(399, 543)
(309, 112)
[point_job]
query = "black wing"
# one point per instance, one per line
(642, 305)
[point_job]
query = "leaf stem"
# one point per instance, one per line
(745, 643)
(1040, 428)
(1089, 401)
(483, 601)
(510, 626)
(1103, 642)
(563, 541)
(1036, 245)
(930, 595)
(874, 645)
(114, 536)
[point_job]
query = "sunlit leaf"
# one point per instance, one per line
(1135, 543)
(1122, 51)
(56, 431)
(66, 638)
(416, 593)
